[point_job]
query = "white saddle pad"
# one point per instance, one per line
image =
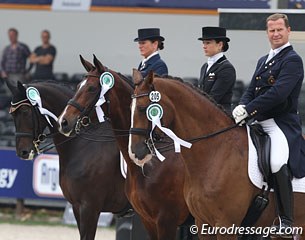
(256, 177)
(123, 165)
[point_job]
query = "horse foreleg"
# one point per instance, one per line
(151, 229)
(88, 222)
(166, 230)
(75, 209)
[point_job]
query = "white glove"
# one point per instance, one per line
(239, 113)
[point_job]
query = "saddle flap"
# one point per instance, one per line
(262, 143)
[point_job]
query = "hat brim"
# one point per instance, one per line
(149, 38)
(215, 38)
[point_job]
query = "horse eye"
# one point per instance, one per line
(91, 89)
(142, 108)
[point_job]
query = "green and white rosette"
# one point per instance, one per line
(107, 82)
(154, 113)
(33, 95)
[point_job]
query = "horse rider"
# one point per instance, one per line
(150, 41)
(217, 75)
(272, 100)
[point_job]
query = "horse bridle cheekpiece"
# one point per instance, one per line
(154, 113)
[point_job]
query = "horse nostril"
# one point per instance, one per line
(24, 154)
(141, 151)
(64, 123)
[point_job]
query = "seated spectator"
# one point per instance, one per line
(14, 59)
(43, 58)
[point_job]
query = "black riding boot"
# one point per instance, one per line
(284, 199)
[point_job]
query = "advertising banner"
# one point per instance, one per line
(38, 179)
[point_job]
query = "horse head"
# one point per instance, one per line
(82, 103)
(91, 94)
(147, 107)
(29, 123)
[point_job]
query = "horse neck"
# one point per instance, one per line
(120, 114)
(194, 113)
(54, 100)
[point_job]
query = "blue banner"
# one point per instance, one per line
(192, 4)
(29, 179)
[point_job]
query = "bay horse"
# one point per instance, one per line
(90, 176)
(217, 188)
(154, 190)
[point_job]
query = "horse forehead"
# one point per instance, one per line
(82, 84)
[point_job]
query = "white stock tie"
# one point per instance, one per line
(270, 56)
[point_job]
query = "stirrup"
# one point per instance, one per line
(280, 228)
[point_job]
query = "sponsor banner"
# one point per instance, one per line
(46, 176)
(71, 5)
(28, 179)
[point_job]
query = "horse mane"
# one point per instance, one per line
(198, 90)
(61, 86)
(126, 79)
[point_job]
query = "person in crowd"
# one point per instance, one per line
(150, 42)
(272, 101)
(43, 58)
(14, 59)
(217, 75)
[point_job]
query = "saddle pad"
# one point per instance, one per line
(256, 177)
(123, 165)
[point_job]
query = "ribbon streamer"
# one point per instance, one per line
(99, 111)
(42, 110)
(177, 141)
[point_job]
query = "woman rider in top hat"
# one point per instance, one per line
(217, 76)
(150, 42)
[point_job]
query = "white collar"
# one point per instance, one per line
(277, 50)
(150, 56)
(215, 58)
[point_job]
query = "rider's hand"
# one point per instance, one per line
(240, 113)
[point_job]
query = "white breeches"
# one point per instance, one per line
(279, 152)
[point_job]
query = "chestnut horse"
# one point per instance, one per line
(217, 187)
(90, 176)
(154, 190)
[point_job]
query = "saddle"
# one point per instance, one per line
(262, 143)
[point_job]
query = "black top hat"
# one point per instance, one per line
(149, 34)
(214, 33)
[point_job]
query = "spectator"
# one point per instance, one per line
(43, 58)
(150, 41)
(14, 59)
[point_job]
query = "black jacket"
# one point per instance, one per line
(219, 81)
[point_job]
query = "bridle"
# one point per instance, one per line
(37, 134)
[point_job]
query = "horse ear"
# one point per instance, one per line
(98, 64)
(87, 65)
(20, 87)
(150, 77)
(136, 76)
(11, 86)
